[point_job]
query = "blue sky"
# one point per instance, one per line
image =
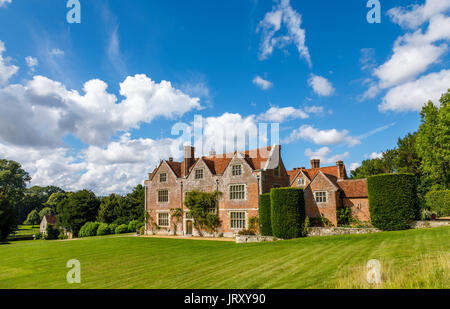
(92, 105)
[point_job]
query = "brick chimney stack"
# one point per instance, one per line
(315, 163)
(189, 158)
(342, 174)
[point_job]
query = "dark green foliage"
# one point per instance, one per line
(103, 229)
(112, 228)
(393, 201)
(77, 209)
(121, 229)
(287, 212)
(199, 204)
(107, 207)
(439, 202)
(344, 216)
(132, 226)
(52, 232)
(33, 218)
(264, 215)
(142, 230)
(45, 211)
(35, 198)
(7, 217)
(89, 229)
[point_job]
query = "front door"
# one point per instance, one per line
(188, 227)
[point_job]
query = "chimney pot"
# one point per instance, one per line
(171, 159)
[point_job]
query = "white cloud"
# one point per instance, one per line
(262, 83)
(415, 15)
(6, 70)
(4, 3)
(56, 52)
(354, 166)
(282, 14)
(320, 85)
(43, 111)
(31, 62)
(367, 59)
(414, 52)
(116, 168)
(322, 137)
(280, 114)
(374, 155)
(413, 95)
(324, 155)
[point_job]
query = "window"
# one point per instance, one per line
(276, 171)
(199, 174)
(163, 219)
(320, 197)
(163, 196)
(237, 220)
(188, 215)
(301, 181)
(212, 209)
(237, 192)
(163, 177)
(237, 170)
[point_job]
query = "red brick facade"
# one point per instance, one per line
(209, 174)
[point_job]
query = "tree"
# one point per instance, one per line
(33, 218)
(433, 143)
(200, 206)
(13, 180)
(108, 205)
(406, 159)
(45, 211)
(79, 208)
(36, 198)
(375, 166)
(177, 214)
(7, 218)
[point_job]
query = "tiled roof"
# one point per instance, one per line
(354, 187)
(218, 163)
(312, 172)
(51, 219)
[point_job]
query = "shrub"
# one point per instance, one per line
(89, 229)
(103, 229)
(112, 228)
(132, 226)
(439, 202)
(121, 229)
(246, 232)
(253, 225)
(142, 230)
(51, 232)
(287, 212)
(344, 216)
(306, 226)
(62, 236)
(264, 215)
(393, 201)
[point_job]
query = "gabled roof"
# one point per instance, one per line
(312, 172)
(51, 219)
(217, 164)
(354, 187)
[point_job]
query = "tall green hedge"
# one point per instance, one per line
(287, 212)
(393, 201)
(439, 202)
(264, 215)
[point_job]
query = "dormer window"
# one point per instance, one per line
(199, 174)
(163, 177)
(276, 171)
(237, 170)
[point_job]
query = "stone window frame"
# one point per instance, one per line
(236, 192)
(196, 175)
(233, 171)
(242, 221)
(159, 196)
(324, 199)
(161, 180)
(158, 218)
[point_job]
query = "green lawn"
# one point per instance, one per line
(409, 259)
(24, 232)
